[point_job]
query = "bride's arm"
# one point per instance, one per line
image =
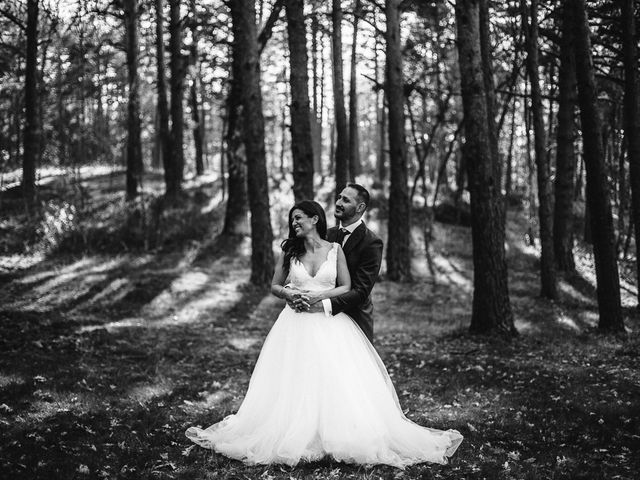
(278, 282)
(343, 282)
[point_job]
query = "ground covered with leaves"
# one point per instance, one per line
(107, 355)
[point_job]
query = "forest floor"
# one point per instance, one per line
(108, 355)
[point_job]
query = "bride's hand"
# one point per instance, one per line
(312, 298)
(294, 298)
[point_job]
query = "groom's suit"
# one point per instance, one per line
(363, 251)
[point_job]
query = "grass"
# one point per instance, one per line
(107, 356)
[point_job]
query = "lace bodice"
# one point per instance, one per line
(325, 277)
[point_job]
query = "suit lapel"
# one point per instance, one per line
(354, 238)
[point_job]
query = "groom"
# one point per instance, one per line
(363, 251)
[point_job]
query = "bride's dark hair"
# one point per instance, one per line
(293, 247)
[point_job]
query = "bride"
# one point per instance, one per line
(319, 387)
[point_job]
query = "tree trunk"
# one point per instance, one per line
(398, 250)
(163, 133)
(380, 117)
(31, 127)
(193, 94)
(342, 135)
(631, 130)
(301, 143)
(177, 65)
(236, 213)
(491, 305)
(608, 281)
(508, 184)
(354, 139)
(545, 212)
(197, 125)
(316, 122)
(134, 145)
(565, 156)
(237, 209)
(244, 30)
(489, 84)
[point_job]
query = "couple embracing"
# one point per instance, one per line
(319, 388)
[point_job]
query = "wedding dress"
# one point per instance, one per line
(319, 388)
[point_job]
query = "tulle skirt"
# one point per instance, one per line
(320, 389)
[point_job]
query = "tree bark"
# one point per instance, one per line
(398, 249)
(301, 143)
(545, 208)
(134, 145)
(318, 83)
(508, 184)
(177, 65)
(565, 156)
(193, 94)
(354, 138)
(31, 127)
(631, 130)
(489, 83)
(244, 30)
(381, 123)
(598, 198)
(163, 133)
(197, 125)
(342, 135)
(237, 208)
(491, 305)
(236, 213)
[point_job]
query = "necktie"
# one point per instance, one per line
(342, 232)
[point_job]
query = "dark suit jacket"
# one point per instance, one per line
(363, 251)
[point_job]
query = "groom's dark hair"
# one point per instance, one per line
(293, 247)
(363, 193)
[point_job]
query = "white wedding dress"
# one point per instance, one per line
(319, 388)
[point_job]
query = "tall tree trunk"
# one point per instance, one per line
(162, 133)
(316, 108)
(31, 127)
(565, 156)
(342, 135)
(489, 84)
(398, 250)
(237, 208)
(354, 138)
(193, 94)
(381, 122)
(608, 281)
(301, 143)
(177, 65)
(197, 125)
(134, 146)
(235, 220)
(508, 184)
(315, 32)
(491, 305)
(244, 30)
(631, 130)
(545, 207)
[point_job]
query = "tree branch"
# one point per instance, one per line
(13, 18)
(266, 32)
